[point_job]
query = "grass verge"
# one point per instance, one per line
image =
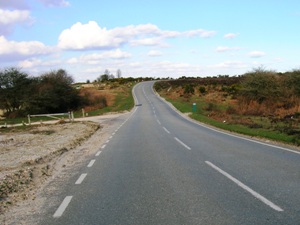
(199, 115)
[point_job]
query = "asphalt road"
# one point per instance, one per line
(161, 168)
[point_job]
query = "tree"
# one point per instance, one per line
(119, 73)
(54, 93)
(103, 77)
(106, 72)
(260, 85)
(15, 91)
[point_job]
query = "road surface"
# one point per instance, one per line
(158, 167)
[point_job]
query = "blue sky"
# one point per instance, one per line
(157, 38)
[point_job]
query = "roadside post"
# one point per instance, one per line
(194, 107)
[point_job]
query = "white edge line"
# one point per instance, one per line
(245, 187)
(62, 207)
(81, 178)
(184, 145)
(166, 130)
(91, 163)
(103, 146)
(244, 138)
(98, 153)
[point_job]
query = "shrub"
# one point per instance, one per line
(189, 89)
(202, 90)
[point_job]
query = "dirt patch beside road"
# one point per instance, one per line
(27, 156)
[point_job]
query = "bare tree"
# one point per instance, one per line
(106, 72)
(119, 73)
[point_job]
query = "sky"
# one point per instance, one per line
(157, 38)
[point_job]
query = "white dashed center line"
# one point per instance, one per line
(81, 178)
(180, 142)
(62, 207)
(91, 163)
(166, 130)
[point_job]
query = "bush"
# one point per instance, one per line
(260, 86)
(202, 90)
(189, 89)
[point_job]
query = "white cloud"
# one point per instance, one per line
(226, 49)
(95, 70)
(92, 36)
(35, 63)
(230, 35)
(116, 54)
(222, 49)
(73, 60)
(174, 69)
(55, 3)
(96, 58)
(30, 63)
(278, 60)
(88, 36)
(256, 54)
(147, 42)
(17, 50)
(142, 30)
(154, 53)
(10, 18)
(135, 64)
(170, 34)
(201, 33)
(230, 64)
(14, 16)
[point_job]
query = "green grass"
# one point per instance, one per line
(259, 132)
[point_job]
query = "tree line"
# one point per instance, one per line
(51, 92)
